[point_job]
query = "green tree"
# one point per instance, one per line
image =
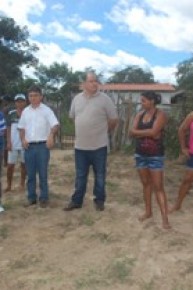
(132, 74)
(15, 51)
(184, 74)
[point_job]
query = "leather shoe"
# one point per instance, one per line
(43, 203)
(99, 205)
(30, 203)
(72, 206)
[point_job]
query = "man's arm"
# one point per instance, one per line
(23, 140)
(112, 123)
(51, 137)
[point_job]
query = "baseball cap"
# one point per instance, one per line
(20, 97)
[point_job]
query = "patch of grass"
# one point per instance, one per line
(103, 237)
(87, 219)
(112, 186)
(148, 285)
(25, 262)
(189, 268)
(4, 232)
(68, 158)
(177, 242)
(120, 270)
(91, 280)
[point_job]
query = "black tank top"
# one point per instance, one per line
(149, 146)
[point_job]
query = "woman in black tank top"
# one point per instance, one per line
(148, 127)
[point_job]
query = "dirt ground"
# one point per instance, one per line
(49, 249)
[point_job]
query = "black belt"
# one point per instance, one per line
(37, 142)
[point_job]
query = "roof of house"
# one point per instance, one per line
(138, 87)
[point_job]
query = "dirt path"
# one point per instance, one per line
(49, 249)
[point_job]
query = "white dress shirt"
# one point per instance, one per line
(37, 122)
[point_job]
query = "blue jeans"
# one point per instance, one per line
(83, 160)
(36, 160)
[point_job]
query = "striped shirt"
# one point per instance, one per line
(2, 124)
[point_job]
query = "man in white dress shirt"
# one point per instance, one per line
(38, 126)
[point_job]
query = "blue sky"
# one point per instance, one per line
(108, 35)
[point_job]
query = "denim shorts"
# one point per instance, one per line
(189, 162)
(16, 155)
(153, 163)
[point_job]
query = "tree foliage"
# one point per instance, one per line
(184, 74)
(15, 51)
(132, 74)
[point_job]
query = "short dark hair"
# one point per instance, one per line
(35, 88)
(151, 95)
(89, 72)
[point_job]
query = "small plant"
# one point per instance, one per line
(120, 270)
(87, 220)
(112, 186)
(3, 232)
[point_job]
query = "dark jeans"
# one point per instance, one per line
(36, 160)
(83, 160)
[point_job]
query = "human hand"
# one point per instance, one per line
(185, 151)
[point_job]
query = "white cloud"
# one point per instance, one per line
(57, 6)
(21, 9)
(56, 29)
(164, 23)
(90, 26)
(83, 58)
(94, 38)
(164, 74)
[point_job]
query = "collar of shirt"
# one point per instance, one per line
(92, 96)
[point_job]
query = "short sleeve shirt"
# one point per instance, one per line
(91, 115)
(37, 122)
(12, 122)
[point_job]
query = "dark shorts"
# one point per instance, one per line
(189, 162)
(152, 163)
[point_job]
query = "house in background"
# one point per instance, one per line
(121, 92)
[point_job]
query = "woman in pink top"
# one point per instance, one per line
(187, 150)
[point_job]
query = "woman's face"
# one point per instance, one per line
(146, 103)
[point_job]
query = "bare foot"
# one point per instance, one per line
(144, 217)
(20, 188)
(166, 226)
(174, 208)
(8, 189)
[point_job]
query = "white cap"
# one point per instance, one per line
(20, 97)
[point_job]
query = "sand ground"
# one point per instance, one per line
(49, 249)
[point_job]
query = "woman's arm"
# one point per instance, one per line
(158, 126)
(184, 127)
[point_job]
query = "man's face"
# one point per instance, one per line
(35, 98)
(20, 104)
(91, 84)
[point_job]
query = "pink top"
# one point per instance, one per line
(191, 139)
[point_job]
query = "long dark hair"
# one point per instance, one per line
(152, 96)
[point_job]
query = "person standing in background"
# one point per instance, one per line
(148, 129)
(14, 145)
(95, 115)
(187, 150)
(2, 134)
(38, 126)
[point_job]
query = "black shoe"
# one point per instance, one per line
(99, 205)
(72, 206)
(43, 203)
(30, 203)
